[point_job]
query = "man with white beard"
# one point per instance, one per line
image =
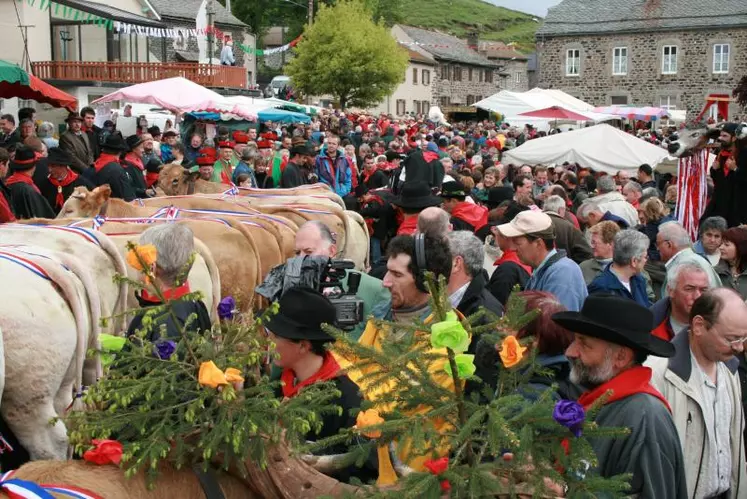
(612, 341)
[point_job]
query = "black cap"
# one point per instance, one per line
(58, 157)
(301, 315)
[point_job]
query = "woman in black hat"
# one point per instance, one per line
(26, 200)
(132, 163)
(61, 181)
(108, 170)
(300, 343)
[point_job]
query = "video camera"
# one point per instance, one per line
(323, 274)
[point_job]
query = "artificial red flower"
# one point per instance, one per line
(106, 452)
(437, 467)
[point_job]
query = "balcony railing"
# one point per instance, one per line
(140, 72)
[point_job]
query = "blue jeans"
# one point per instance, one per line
(375, 250)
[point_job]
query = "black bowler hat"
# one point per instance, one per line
(416, 196)
(58, 157)
(24, 159)
(133, 141)
(302, 313)
(497, 195)
(301, 149)
(453, 190)
(114, 143)
(618, 320)
(392, 155)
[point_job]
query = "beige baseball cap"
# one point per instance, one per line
(530, 222)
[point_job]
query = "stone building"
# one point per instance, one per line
(415, 94)
(182, 14)
(514, 64)
(461, 75)
(676, 54)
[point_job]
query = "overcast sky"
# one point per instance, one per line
(536, 7)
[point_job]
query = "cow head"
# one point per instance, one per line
(175, 180)
(83, 203)
(691, 139)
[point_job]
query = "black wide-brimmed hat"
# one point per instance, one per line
(453, 190)
(58, 157)
(24, 159)
(114, 143)
(497, 195)
(301, 149)
(302, 313)
(618, 320)
(416, 196)
(133, 141)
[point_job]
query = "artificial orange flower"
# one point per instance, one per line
(209, 375)
(367, 418)
(511, 351)
(147, 254)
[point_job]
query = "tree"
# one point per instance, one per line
(346, 54)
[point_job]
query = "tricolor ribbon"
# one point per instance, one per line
(233, 191)
(23, 489)
(98, 221)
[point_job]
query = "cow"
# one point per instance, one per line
(696, 137)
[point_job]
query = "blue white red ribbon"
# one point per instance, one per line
(23, 489)
(27, 264)
(233, 191)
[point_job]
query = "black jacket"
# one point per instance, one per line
(93, 139)
(49, 191)
(504, 278)
(181, 309)
(136, 177)
(27, 203)
(478, 297)
(292, 176)
(426, 166)
(375, 181)
(381, 213)
(117, 178)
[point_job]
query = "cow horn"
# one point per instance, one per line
(327, 463)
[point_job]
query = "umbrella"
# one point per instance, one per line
(634, 113)
(555, 113)
(175, 94)
(15, 82)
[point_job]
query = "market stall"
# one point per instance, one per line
(16, 82)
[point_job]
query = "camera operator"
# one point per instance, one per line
(315, 239)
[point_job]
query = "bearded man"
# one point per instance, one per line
(612, 341)
(729, 174)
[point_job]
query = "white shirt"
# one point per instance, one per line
(456, 297)
(715, 471)
(714, 258)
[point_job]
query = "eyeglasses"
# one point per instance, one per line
(733, 343)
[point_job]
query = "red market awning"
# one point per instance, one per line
(15, 82)
(555, 113)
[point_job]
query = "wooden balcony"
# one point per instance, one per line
(139, 72)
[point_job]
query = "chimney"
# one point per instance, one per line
(472, 40)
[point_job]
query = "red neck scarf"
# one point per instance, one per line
(473, 214)
(22, 178)
(408, 226)
(151, 178)
(723, 156)
(168, 294)
(330, 370)
(627, 383)
(134, 159)
(512, 256)
(367, 175)
(69, 179)
(104, 160)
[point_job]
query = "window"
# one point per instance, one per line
(445, 100)
(517, 78)
(619, 100)
(425, 106)
(470, 100)
(426, 79)
(481, 75)
(488, 76)
(668, 102)
(620, 61)
(573, 62)
(414, 76)
(401, 107)
(416, 106)
(445, 72)
(721, 58)
(669, 60)
(457, 73)
(469, 74)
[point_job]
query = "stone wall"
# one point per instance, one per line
(237, 35)
(518, 77)
(458, 91)
(644, 84)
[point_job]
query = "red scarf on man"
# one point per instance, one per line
(135, 160)
(512, 256)
(69, 179)
(627, 383)
(21, 178)
(168, 294)
(104, 160)
(330, 370)
(367, 175)
(409, 226)
(473, 214)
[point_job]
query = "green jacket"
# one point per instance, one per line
(651, 452)
(738, 283)
(372, 292)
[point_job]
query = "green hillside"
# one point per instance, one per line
(458, 17)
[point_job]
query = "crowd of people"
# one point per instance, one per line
(629, 302)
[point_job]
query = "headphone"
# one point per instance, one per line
(420, 262)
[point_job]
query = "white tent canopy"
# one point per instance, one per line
(512, 104)
(601, 147)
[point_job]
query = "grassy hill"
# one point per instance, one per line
(459, 17)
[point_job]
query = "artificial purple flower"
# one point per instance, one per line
(227, 308)
(165, 349)
(570, 414)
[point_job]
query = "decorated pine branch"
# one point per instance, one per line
(196, 398)
(504, 442)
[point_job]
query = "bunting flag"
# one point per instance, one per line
(691, 190)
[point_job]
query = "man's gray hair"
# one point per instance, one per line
(606, 184)
(587, 207)
(633, 185)
(713, 223)
(324, 231)
(648, 193)
(629, 244)
(676, 234)
(174, 244)
(674, 273)
(434, 221)
(554, 204)
(249, 155)
(467, 245)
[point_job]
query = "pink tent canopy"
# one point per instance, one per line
(178, 95)
(634, 113)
